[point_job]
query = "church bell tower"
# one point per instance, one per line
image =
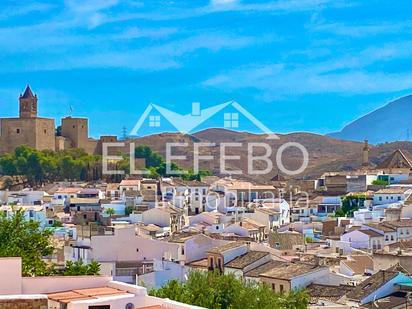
(28, 104)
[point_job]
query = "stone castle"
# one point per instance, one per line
(40, 133)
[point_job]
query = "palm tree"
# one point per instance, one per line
(110, 212)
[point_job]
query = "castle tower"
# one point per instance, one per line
(77, 130)
(28, 104)
(365, 154)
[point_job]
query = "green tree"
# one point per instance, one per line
(380, 182)
(339, 213)
(8, 165)
(351, 203)
(110, 212)
(216, 291)
(57, 224)
(24, 238)
(78, 268)
(129, 210)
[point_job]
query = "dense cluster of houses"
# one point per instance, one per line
(346, 237)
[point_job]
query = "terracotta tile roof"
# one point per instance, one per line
(198, 263)
(371, 233)
(381, 226)
(268, 211)
(68, 190)
(250, 224)
(84, 201)
(226, 247)
(371, 284)
(395, 300)
(255, 273)
(332, 293)
(246, 259)
(182, 237)
(359, 263)
(392, 191)
(290, 271)
(401, 223)
(130, 182)
(85, 294)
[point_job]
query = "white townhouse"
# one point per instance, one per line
(31, 212)
(129, 185)
(364, 239)
(26, 197)
(384, 228)
(272, 213)
(390, 195)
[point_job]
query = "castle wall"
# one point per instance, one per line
(34, 132)
(15, 132)
(45, 134)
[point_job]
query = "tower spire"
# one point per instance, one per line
(28, 104)
(27, 93)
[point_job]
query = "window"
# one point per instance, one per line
(380, 198)
(281, 289)
(399, 198)
(45, 131)
(183, 250)
(391, 237)
(154, 121)
(231, 120)
(18, 131)
(273, 286)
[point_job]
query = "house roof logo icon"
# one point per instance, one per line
(185, 124)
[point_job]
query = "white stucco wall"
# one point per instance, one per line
(126, 246)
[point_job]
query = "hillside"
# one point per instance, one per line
(386, 124)
(325, 153)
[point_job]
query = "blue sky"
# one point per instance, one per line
(299, 65)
